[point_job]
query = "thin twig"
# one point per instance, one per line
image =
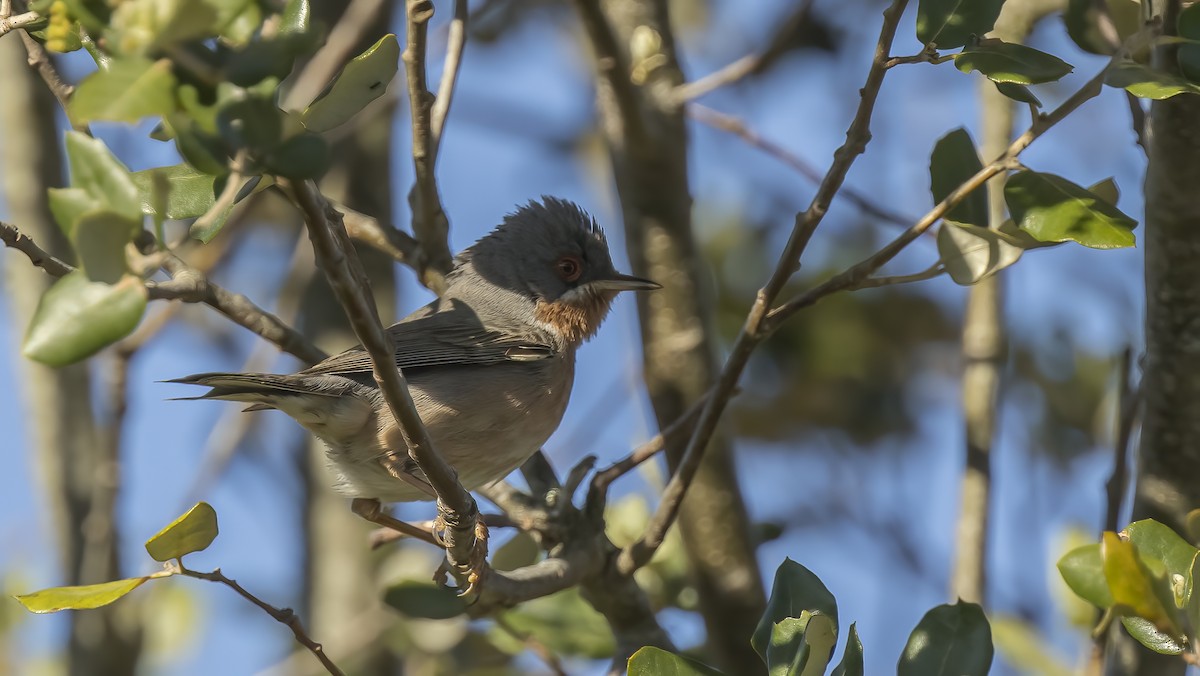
(384, 237)
(640, 551)
(690, 91)
(535, 646)
(733, 125)
(12, 23)
(285, 616)
(39, 60)
(340, 263)
(15, 239)
(455, 43)
(1129, 402)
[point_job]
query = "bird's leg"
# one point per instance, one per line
(475, 568)
(371, 510)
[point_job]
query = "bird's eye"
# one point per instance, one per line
(569, 268)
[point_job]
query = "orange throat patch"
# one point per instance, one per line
(577, 321)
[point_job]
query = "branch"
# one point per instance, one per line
(39, 59)
(386, 238)
(339, 261)
(1129, 402)
(429, 222)
(12, 23)
(456, 42)
(14, 239)
(640, 551)
(285, 616)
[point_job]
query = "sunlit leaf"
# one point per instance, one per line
(951, 640)
(99, 238)
(1082, 569)
(192, 532)
(77, 317)
(952, 163)
(1152, 637)
(951, 23)
(801, 646)
(94, 169)
(1158, 541)
(1053, 209)
(295, 18)
(189, 192)
(1144, 82)
(1009, 62)
(852, 658)
(130, 89)
(1133, 585)
(362, 81)
(651, 661)
(69, 204)
(83, 597)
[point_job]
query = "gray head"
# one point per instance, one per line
(553, 255)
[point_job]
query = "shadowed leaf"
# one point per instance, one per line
(951, 23)
(1003, 61)
(952, 163)
(852, 658)
(99, 238)
(425, 600)
(796, 589)
(971, 253)
(951, 640)
(1146, 83)
(362, 81)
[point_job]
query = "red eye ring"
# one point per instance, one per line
(569, 268)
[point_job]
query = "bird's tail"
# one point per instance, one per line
(262, 390)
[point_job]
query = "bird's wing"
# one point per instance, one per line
(440, 338)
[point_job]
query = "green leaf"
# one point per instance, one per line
(852, 658)
(1152, 637)
(796, 589)
(1003, 61)
(69, 204)
(131, 88)
(651, 661)
(1136, 591)
(300, 157)
(1106, 190)
(1084, 23)
(1019, 93)
(94, 169)
(253, 123)
(192, 532)
(99, 238)
(972, 254)
(77, 317)
(424, 600)
(566, 624)
(1189, 53)
(518, 552)
(83, 597)
(362, 81)
(203, 151)
(1082, 569)
(263, 59)
(951, 23)
(953, 162)
(1156, 540)
(295, 18)
(141, 26)
(951, 640)
(1053, 209)
(1144, 82)
(190, 192)
(801, 646)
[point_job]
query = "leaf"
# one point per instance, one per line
(190, 192)
(94, 169)
(362, 81)
(295, 18)
(192, 532)
(971, 253)
(1193, 525)
(1053, 209)
(1156, 540)
(300, 157)
(518, 552)
(953, 162)
(1144, 82)
(796, 590)
(99, 238)
(69, 204)
(1082, 569)
(424, 600)
(1019, 93)
(951, 640)
(1083, 20)
(83, 597)
(1189, 53)
(1003, 61)
(131, 88)
(951, 23)
(141, 26)
(1152, 637)
(77, 317)
(1106, 190)
(566, 624)
(801, 646)
(852, 658)
(252, 122)
(651, 661)
(1133, 585)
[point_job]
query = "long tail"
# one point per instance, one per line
(260, 389)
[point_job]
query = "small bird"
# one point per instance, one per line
(490, 363)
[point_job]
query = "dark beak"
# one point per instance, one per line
(619, 282)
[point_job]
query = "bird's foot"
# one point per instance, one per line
(475, 568)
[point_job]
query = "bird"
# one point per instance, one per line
(490, 363)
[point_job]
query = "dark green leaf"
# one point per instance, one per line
(99, 238)
(801, 646)
(651, 661)
(565, 624)
(971, 253)
(362, 81)
(192, 532)
(1146, 83)
(94, 169)
(518, 552)
(953, 162)
(796, 589)
(190, 192)
(1084, 23)
(1150, 636)
(300, 157)
(1018, 92)
(424, 600)
(142, 27)
(852, 659)
(76, 317)
(951, 23)
(1082, 569)
(131, 88)
(951, 640)
(1053, 209)
(262, 59)
(1008, 62)
(253, 123)
(1189, 53)
(84, 597)
(69, 204)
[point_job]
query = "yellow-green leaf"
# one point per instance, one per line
(99, 238)
(192, 532)
(83, 597)
(131, 88)
(651, 661)
(190, 193)
(1132, 585)
(77, 317)
(362, 81)
(96, 170)
(1053, 209)
(1144, 82)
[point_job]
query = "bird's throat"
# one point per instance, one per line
(574, 321)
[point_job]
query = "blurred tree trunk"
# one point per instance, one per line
(75, 459)
(647, 139)
(1168, 475)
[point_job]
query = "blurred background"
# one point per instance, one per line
(848, 436)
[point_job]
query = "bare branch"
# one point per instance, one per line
(12, 23)
(39, 59)
(640, 551)
(1129, 403)
(384, 237)
(455, 43)
(285, 616)
(339, 261)
(15, 239)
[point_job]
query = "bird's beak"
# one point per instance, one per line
(619, 282)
